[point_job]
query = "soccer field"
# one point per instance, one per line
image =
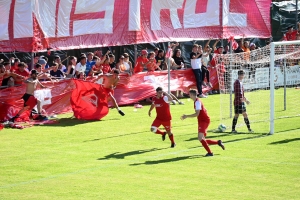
(119, 158)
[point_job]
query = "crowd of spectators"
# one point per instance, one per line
(13, 72)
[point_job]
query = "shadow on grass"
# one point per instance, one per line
(119, 155)
(256, 135)
(155, 162)
(63, 122)
(235, 140)
(115, 136)
(285, 141)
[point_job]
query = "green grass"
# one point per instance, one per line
(118, 158)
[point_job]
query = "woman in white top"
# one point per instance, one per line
(71, 67)
(128, 64)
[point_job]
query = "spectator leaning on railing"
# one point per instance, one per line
(141, 61)
(22, 72)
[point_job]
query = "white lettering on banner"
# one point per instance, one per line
(46, 11)
(23, 19)
(209, 18)
(45, 15)
(262, 79)
(94, 26)
(232, 19)
(134, 15)
(158, 5)
(63, 18)
(4, 10)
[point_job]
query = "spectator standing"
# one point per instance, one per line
(55, 73)
(22, 72)
(81, 66)
(160, 59)
(151, 64)
(291, 34)
(127, 64)
(252, 46)
(71, 67)
(89, 63)
(58, 61)
(112, 62)
(178, 60)
(141, 61)
(195, 57)
(15, 66)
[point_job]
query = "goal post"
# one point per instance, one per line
(272, 73)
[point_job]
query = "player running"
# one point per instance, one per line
(239, 102)
(109, 82)
(29, 100)
(163, 115)
(203, 123)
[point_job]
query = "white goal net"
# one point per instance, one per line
(271, 84)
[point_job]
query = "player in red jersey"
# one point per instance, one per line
(203, 123)
(163, 115)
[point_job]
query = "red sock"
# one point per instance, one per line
(205, 145)
(172, 138)
(159, 132)
(212, 141)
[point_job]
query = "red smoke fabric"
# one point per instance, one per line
(89, 101)
(56, 97)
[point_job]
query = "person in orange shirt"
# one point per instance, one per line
(151, 64)
(141, 61)
(246, 49)
(120, 65)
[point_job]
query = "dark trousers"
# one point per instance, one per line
(205, 73)
(198, 77)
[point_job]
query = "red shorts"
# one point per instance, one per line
(167, 124)
(202, 127)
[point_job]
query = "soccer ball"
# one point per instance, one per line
(221, 128)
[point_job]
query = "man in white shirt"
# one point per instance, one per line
(195, 57)
(81, 66)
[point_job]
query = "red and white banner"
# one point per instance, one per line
(87, 98)
(34, 25)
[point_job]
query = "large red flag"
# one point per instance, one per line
(89, 101)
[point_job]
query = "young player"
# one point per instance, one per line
(239, 102)
(163, 115)
(29, 100)
(203, 123)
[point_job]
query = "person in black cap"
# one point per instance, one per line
(29, 100)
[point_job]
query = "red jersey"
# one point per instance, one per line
(203, 115)
(162, 108)
(151, 67)
(23, 73)
(106, 68)
(139, 66)
(13, 68)
(291, 36)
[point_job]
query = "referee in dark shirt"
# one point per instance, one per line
(239, 102)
